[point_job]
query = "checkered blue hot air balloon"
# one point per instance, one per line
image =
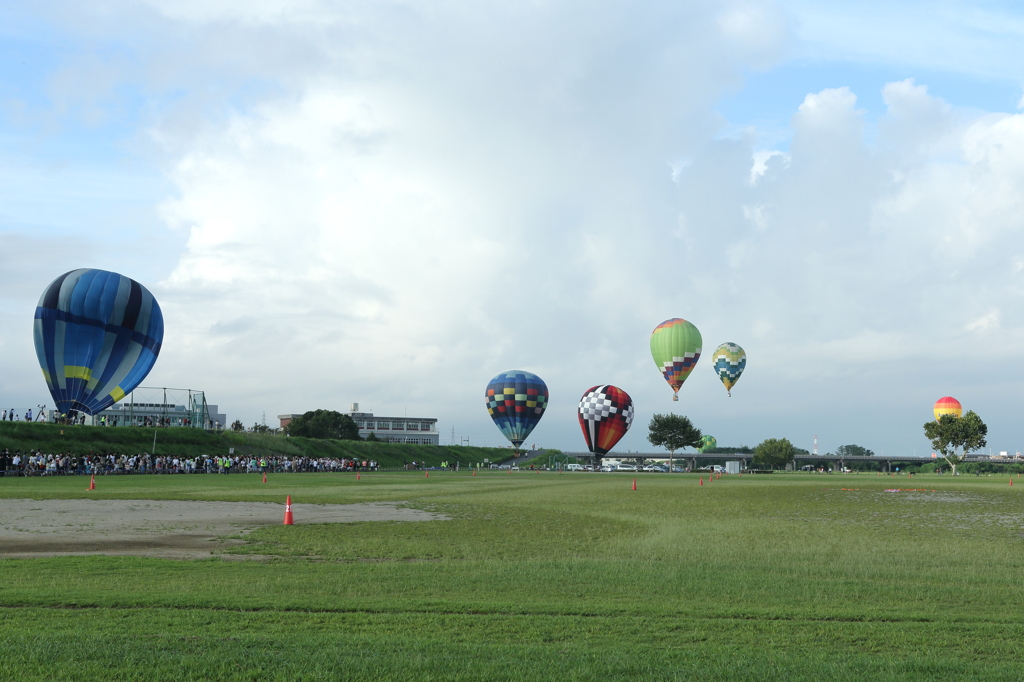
(516, 401)
(97, 335)
(729, 360)
(605, 413)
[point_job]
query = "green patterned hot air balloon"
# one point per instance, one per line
(675, 345)
(707, 443)
(728, 361)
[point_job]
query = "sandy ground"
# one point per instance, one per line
(166, 529)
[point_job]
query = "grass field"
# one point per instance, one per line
(547, 577)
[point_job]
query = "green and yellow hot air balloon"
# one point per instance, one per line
(675, 345)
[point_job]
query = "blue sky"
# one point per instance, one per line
(391, 203)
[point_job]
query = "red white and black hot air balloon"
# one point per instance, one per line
(605, 413)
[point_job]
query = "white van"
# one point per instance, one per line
(575, 467)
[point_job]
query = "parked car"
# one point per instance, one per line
(627, 467)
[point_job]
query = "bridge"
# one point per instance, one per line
(745, 457)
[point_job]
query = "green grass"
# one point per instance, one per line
(547, 576)
(182, 442)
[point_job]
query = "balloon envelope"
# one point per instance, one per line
(97, 335)
(707, 443)
(675, 346)
(729, 360)
(516, 401)
(947, 405)
(605, 413)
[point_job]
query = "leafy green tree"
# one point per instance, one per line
(673, 432)
(372, 438)
(853, 451)
(324, 424)
(954, 437)
(774, 452)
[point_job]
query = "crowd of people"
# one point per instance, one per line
(38, 464)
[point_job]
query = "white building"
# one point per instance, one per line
(414, 430)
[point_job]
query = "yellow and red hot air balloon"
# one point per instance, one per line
(948, 405)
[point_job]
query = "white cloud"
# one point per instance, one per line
(984, 323)
(394, 202)
(495, 196)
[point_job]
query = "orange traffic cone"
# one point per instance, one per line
(264, 476)
(702, 480)
(426, 474)
(474, 472)
(1011, 482)
(634, 484)
(92, 483)
(288, 520)
(357, 475)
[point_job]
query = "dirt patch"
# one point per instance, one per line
(169, 529)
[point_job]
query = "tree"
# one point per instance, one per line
(324, 424)
(774, 452)
(853, 451)
(950, 434)
(673, 432)
(237, 425)
(372, 438)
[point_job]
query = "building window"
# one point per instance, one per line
(425, 426)
(397, 426)
(412, 426)
(384, 425)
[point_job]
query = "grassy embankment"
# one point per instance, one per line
(82, 440)
(548, 577)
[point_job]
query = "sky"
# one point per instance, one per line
(391, 202)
